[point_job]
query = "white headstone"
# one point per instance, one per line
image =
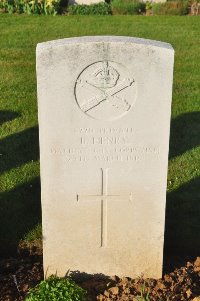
(104, 117)
(155, 1)
(87, 2)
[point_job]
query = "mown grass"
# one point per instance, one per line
(19, 151)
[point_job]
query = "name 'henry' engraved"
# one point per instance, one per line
(105, 140)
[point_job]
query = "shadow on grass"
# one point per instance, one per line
(18, 149)
(20, 211)
(20, 208)
(182, 229)
(184, 134)
(6, 115)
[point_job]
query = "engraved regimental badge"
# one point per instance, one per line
(105, 90)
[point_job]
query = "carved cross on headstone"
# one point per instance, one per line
(104, 197)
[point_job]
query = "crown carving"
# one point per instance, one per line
(105, 77)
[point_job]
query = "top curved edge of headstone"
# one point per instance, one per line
(96, 39)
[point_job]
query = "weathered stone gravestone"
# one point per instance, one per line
(88, 2)
(155, 1)
(104, 116)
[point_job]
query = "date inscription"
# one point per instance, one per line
(106, 145)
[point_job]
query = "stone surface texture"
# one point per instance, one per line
(88, 2)
(155, 1)
(104, 119)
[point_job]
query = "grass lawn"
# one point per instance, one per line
(19, 151)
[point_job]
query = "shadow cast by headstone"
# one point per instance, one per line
(94, 284)
(184, 133)
(78, 276)
(6, 115)
(20, 211)
(20, 207)
(19, 148)
(182, 225)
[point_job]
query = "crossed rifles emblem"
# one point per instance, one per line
(107, 92)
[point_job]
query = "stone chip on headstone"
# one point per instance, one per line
(104, 119)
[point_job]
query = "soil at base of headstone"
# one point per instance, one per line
(182, 282)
